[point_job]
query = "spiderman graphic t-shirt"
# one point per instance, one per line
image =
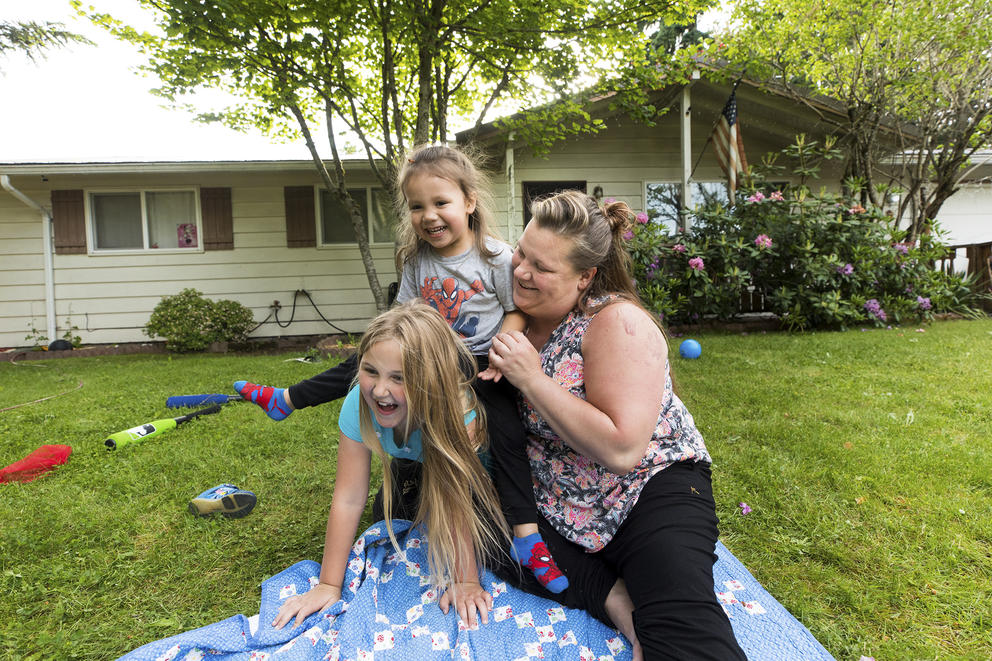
(470, 291)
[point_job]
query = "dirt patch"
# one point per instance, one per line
(333, 345)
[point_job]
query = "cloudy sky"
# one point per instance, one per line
(89, 103)
(86, 103)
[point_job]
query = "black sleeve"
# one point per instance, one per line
(327, 386)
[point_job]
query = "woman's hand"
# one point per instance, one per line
(303, 605)
(515, 357)
(469, 598)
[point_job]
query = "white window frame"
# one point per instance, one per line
(319, 218)
(93, 249)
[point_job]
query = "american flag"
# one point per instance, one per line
(727, 143)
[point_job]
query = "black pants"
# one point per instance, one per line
(508, 448)
(664, 552)
(507, 438)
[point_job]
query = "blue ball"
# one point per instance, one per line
(690, 349)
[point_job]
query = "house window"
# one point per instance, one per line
(144, 220)
(374, 205)
(663, 200)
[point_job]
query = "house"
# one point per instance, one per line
(125, 234)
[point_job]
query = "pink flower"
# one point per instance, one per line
(642, 218)
(757, 197)
(857, 208)
(628, 235)
(763, 241)
(609, 200)
(776, 196)
(745, 509)
(678, 247)
(696, 263)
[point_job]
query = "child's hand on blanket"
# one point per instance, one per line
(304, 605)
(469, 598)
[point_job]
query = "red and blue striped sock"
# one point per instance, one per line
(269, 398)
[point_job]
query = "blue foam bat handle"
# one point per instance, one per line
(191, 401)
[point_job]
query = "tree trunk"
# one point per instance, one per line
(339, 189)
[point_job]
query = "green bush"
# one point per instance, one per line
(190, 322)
(820, 260)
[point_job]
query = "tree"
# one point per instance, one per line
(391, 73)
(33, 39)
(914, 78)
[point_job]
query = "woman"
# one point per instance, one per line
(621, 474)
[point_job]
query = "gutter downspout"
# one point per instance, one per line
(46, 233)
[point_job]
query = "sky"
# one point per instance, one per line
(91, 104)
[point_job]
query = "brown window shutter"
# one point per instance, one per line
(301, 223)
(69, 218)
(218, 221)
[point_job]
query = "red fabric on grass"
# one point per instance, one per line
(36, 464)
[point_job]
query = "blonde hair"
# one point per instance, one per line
(461, 169)
(457, 496)
(596, 234)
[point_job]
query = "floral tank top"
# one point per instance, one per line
(582, 500)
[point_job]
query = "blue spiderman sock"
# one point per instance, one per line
(531, 552)
(269, 398)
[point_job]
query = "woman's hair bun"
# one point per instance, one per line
(618, 215)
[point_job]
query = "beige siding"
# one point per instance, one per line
(22, 277)
(111, 296)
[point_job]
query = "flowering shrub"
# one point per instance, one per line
(190, 322)
(819, 260)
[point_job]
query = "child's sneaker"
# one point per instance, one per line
(227, 499)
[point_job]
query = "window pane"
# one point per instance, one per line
(171, 219)
(709, 194)
(662, 203)
(117, 220)
(383, 217)
(335, 223)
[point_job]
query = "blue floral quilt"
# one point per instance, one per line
(389, 611)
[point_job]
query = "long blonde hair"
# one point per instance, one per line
(458, 167)
(457, 498)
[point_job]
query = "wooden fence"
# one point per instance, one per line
(979, 256)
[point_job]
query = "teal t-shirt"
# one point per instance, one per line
(350, 425)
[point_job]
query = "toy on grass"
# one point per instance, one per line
(690, 349)
(192, 401)
(36, 464)
(226, 499)
(154, 428)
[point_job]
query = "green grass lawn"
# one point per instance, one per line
(865, 457)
